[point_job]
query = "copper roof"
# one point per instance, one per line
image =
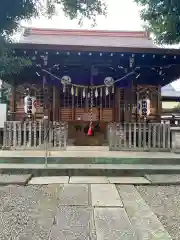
(101, 38)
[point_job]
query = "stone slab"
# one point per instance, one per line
(105, 195)
(6, 179)
(103, 151)
(113, 223)
(88, 179)
(28, 212)
(122, 167)
(73, 223)
(74, 195)
(145, 222)
(48, 180)
(128, 180)
(164, 178)
(22, 226)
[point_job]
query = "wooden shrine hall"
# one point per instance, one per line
(91, 78)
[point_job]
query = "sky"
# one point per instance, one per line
(122, 15)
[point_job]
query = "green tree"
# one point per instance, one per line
(10, 64)
(14, 11)
(162, 18)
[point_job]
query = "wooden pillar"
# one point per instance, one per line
(13, 100)
(46, 98)
(55, 104)
(117, 105)
(73, 108)
(159, 104)
(58, 99)
(127, 103)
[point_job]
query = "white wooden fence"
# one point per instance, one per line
(34, 135)
(127, 136)
(139, 136)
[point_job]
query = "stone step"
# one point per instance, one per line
(132, 167)
(88, 169)
(88, 160)
(90, 153)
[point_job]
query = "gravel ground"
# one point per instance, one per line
(165, 203)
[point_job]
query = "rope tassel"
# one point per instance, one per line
(90, 131)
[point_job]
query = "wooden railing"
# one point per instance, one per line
(139, 136)
(32, 135)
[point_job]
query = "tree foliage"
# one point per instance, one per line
(162, 17)
(10, 64)
(14, 11)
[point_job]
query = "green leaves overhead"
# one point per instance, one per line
(162, 17)
(83, 9)
(10, 64)
(14, 11)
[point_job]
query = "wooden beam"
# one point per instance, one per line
(54, 108)
(13, 100)
(117, 104)
(159, 103)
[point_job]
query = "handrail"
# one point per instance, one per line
(46, 146)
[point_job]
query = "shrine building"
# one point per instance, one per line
(97, 76)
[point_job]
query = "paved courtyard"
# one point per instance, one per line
(79, 211)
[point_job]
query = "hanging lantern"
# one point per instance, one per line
(144, 107)
(108, 81)
(65, 80)
(30, 105)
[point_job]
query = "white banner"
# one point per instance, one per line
(3, 114)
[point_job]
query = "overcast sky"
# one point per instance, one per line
(122, 15)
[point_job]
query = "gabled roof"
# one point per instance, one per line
(97, 38)
(169, 91)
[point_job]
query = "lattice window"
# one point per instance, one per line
(66, 98)
(122, 99)
(40, 97)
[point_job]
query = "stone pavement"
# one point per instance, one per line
(6, 179)
(76, 211)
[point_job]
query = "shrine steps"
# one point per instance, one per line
(97, 161)
(89, 169)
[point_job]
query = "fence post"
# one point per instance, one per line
(175, 134)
